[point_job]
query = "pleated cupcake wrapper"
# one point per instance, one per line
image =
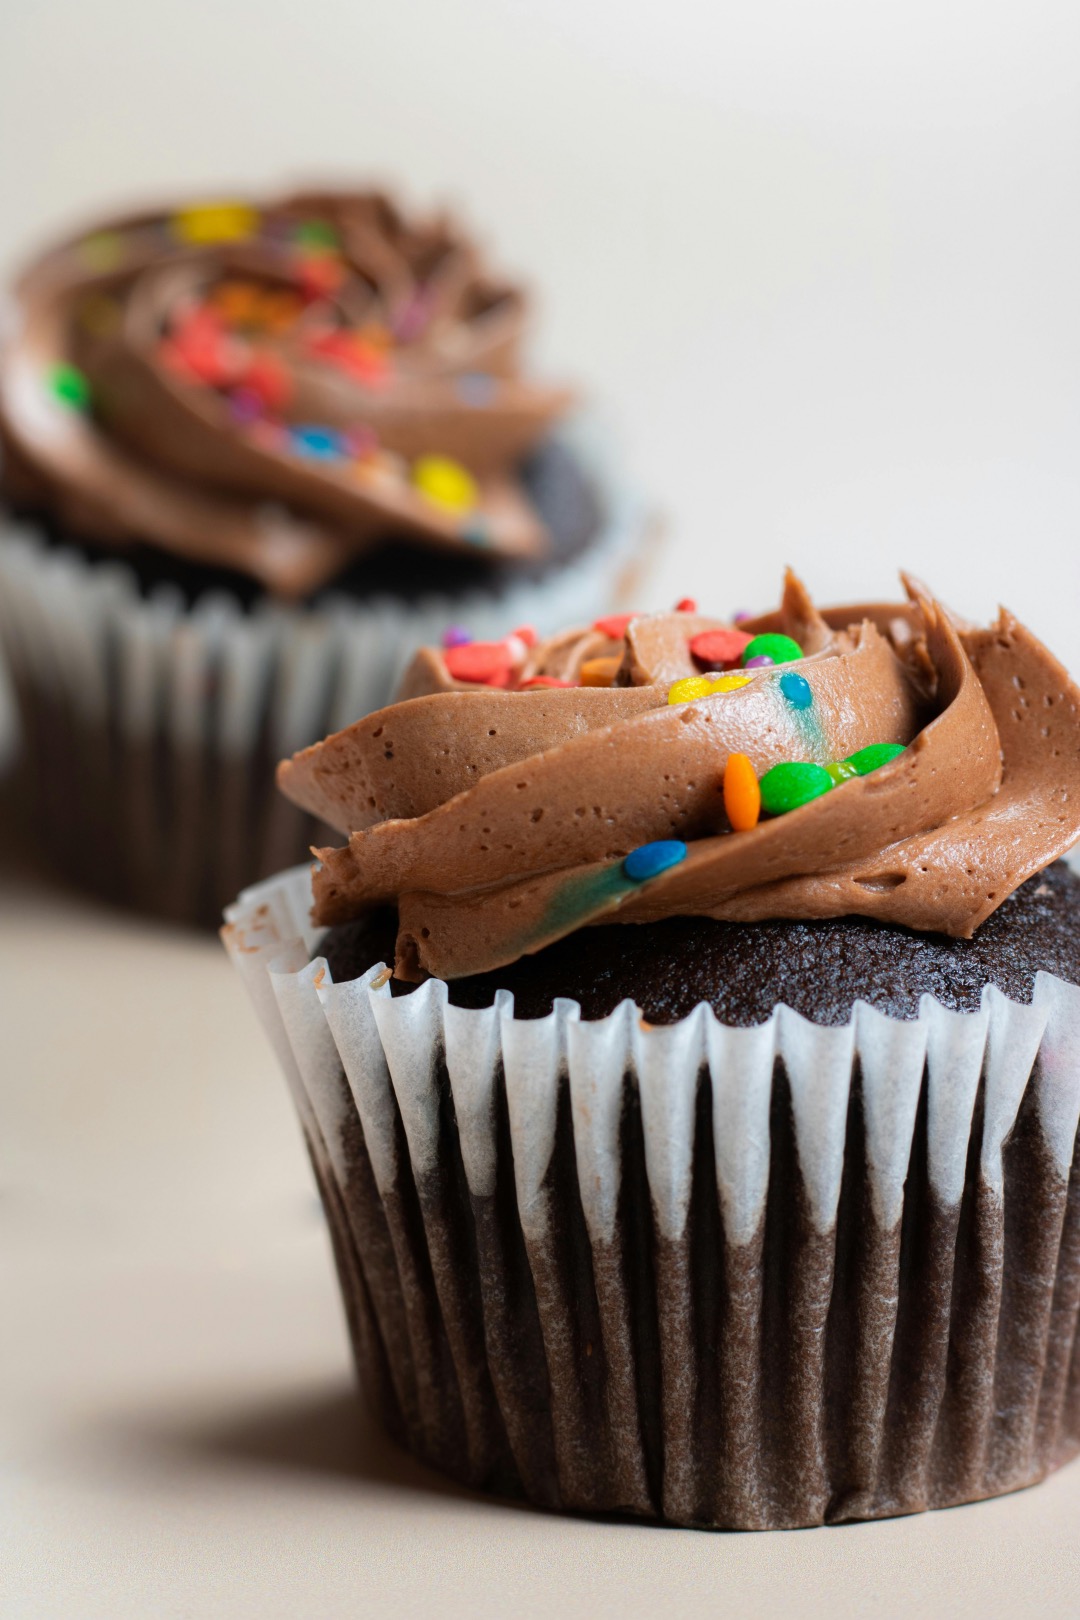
(717, 1276)
(150, 731)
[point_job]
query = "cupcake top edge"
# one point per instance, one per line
(276, 387)
(883, 760)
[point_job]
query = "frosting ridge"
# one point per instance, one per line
(499, 820)
(275, 387)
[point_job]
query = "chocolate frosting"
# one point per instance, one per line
(498, 820)
(260, 386)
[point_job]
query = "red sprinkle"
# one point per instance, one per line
(718, 649)
(527, 634)
(354, 354)
(542, 680)
(686, 605)
(320, 274)
(614, 625)
(266, 376)
(487, 663)
(367, 363)
(173, 358)
(208, 352)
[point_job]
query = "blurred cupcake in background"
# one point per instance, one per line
(253, 456)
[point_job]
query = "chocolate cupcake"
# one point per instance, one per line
(253, 455)
(706, 1151)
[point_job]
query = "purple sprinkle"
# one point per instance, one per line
(245, 405)
(759, 662)
(741, 617)
(414, 317)
(455, 636)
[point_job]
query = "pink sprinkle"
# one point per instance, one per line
(413, 318)
(267, 435)
(245, 405)
(361, 441)
(455, 636)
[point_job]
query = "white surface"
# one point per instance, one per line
(178, 1434)
(820, 259)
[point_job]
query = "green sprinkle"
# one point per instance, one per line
(70, 386)
(781, 649)
(102, 251)
(316, 233)
(872, 758)
(787, 786)
(842, 771)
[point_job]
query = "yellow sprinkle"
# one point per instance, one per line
(694, 686)
(445, 482)
(206, 223)
(699, 686)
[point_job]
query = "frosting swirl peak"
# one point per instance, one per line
(274, 388)
(917, 770)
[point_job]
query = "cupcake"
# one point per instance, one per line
(253, 455)
(687, 1041)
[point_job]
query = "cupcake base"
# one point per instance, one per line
(743, 1278)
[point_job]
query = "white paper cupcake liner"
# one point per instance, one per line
(150, 731)
(715, 1276)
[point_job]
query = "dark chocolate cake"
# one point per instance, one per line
(744, 970)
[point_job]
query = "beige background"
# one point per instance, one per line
(822, 263)
(820, 260)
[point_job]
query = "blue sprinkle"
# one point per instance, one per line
(476, 388)
(321, 442)
(650, 860)
(797, 690)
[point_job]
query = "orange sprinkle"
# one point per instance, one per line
(742, 795)
(599, 671)
(237, 302)
(279, 308)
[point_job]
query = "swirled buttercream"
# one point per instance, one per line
(499, 818)
(274, 388)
